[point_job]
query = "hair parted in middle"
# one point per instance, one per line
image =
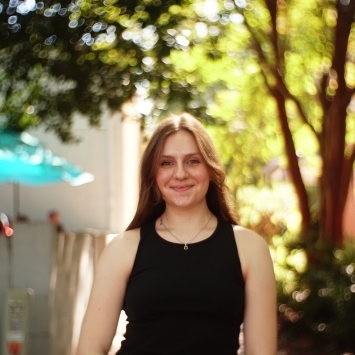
(150, 202)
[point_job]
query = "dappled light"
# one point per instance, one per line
(272, 81)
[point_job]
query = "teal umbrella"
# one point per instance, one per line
(25, 161)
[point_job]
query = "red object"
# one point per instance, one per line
(8, 231)
(5, 226)
(14, 347)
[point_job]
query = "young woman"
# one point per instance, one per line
(186, 275)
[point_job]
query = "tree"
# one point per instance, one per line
(297, 60)
(259, 70)
(58, 58)
(323, 46)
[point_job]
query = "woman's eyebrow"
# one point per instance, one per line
(186, 155)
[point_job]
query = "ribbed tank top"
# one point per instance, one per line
(184, 302)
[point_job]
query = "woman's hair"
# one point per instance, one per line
(150, 202)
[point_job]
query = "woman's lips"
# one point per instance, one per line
(181, 188)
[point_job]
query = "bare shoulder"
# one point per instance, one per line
(252, 248)
(126, 239)
(247, 238)
(121, 251)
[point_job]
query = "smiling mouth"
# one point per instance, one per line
(181, 188)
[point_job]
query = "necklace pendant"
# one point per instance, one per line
(186, 247)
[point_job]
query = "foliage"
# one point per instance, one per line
(274, 78)
(316, 298)
(269, 210)
(308, 69)
(279, 79)
(58, 58)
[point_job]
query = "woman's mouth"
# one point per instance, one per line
(181, 188)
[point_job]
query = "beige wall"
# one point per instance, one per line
(112, 154)
(32, 246)
(59, 269)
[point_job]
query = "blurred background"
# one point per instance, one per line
(83, 84)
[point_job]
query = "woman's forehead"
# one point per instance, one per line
(182, 142)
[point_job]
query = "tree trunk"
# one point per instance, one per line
(336, 173)
(337, 166)
(293, 166)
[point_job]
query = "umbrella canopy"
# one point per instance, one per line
(24, 160)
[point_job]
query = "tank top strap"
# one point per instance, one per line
(146, 230)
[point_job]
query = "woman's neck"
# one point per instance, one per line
(185, 219)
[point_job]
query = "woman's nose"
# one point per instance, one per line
(180, 171)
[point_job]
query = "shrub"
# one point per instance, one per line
(315, 283)
(317, 299)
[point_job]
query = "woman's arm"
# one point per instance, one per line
(107, 294)
(260, 325)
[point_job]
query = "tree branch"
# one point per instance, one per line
(272, 7)
(293, 165)
(344, 23)
(321, 94)
(280, 83)
(286, 93)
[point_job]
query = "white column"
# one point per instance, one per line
(131, 154)
(124, 154)
(114, 147)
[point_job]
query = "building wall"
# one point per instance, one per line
(32, 245)
(58, 269)
(112, 154)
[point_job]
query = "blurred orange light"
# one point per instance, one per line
(8, 231)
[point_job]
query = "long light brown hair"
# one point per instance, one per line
(150, 202)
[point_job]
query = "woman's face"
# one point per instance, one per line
(182, 176)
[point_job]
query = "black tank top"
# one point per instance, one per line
(184, 302)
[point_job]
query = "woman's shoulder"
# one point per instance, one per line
(253, 249)
(122, 248)
(127, 236)
(248, 237)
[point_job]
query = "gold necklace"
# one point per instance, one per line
(185, 244)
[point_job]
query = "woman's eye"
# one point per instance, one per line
(165, 163)
(193, 161)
